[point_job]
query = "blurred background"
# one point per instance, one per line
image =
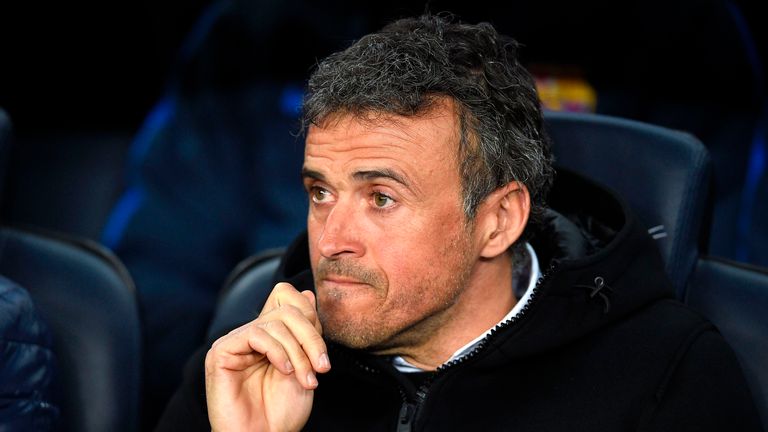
(162, 129)
(79, 78)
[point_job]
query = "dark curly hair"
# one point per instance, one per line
(404, 68)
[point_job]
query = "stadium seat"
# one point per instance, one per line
(663, 174)
(244, 292)
(88, 299)
(665, 177)
(734, 297)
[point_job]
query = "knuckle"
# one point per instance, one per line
(315, 341)
(283, 288)
(267, 326)
(291, 310)
(301, 363)
(237, 330)
(215, 348)
(215, 359)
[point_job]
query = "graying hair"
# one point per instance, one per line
(408, 65)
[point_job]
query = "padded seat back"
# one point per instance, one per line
(245, 292)
(735, 298)
(663, 174)
(88, 300)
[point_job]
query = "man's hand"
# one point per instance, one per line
(261, 376)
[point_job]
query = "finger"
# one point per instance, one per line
(285, 294)
(304, 371)
(313, 301)
(245, 348)
(311, 297)
(288, 339)
(306, 334)
(235, 331)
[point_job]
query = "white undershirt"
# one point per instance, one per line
(403, 366)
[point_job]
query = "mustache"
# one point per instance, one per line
(349, 269)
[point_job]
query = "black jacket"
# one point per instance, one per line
(602, 345)
(27, 364)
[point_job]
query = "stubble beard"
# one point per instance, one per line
(392, 327)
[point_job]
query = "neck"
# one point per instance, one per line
(487, 299)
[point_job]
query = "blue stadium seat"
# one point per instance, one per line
(663, 174)
(244, 292)
(734, 297)
(88, 300)
(665, 177)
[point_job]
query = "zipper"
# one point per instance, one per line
(406, 416)
(409, 410)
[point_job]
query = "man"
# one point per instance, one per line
(415, 300)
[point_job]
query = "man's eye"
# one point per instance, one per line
(319, 194)
(382, 201)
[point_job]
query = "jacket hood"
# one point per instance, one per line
(599, 265)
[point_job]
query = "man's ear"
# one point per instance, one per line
(502, 218)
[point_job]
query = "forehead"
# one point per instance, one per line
(428, 137)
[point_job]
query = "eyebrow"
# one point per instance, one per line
(381, 173)
(362, 175)
(308, 173)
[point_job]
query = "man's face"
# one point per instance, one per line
(390, 246)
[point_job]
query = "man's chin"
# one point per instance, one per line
(350, 337)
(344, 309)
(352, 332)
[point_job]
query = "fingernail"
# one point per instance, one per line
(325, 363)
(311, 379)
(288, 366)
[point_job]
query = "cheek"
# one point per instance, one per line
(423, 251)
(433, 234)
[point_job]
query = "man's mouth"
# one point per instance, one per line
(342, 280)
(349, 273)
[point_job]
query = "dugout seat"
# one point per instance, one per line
(734, 297)
(663, 174)
(86, 296)
(245, 292)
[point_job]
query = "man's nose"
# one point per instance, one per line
(340, 234)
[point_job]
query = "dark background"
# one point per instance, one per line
(94, 65)
(88, 65)
(77, 78)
